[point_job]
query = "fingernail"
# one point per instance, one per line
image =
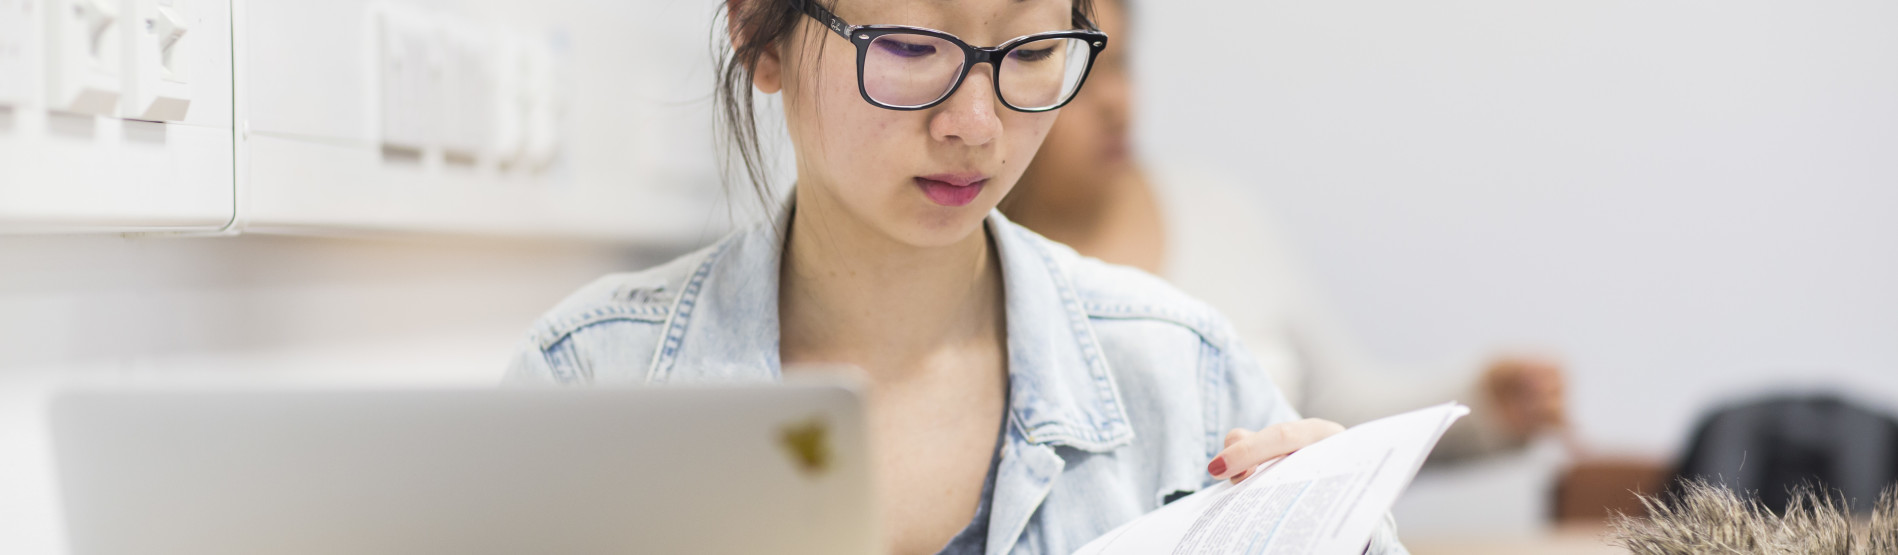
(1217, 467)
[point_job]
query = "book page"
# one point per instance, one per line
(1326, 498)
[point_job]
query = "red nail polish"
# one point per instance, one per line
(1218, 466)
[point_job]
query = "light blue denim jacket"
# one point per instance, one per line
(1121, 388)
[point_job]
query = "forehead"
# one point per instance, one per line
(977, 21)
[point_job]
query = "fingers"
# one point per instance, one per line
(1528, 394)
(1246, 449)
(1234, 436)
(1553, 405)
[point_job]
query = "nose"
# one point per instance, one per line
(968, 116)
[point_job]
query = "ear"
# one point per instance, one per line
(767, 75)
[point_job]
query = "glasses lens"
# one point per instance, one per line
(906, 70)
(1044, 73)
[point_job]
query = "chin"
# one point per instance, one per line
(939, 226)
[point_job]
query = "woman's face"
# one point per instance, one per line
(922, 178)
(1090, 146)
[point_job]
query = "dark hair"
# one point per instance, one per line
(754, 26)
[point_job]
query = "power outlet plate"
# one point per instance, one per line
(83, 55)
(408, 73)
(157, 46)
(19, 70)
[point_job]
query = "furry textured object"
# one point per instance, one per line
(1709, 519)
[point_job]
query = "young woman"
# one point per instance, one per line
(1021, 398)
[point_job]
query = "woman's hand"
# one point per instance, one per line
(1246, 449)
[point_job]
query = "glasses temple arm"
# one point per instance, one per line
(824, 16)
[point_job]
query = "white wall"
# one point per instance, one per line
(1691, 199)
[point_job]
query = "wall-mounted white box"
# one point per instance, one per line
(541, 94)
(526, 117)
(408, 72)
(468, 91)
(83, 55)
(157, 41)
(530, 94)
(19, 70)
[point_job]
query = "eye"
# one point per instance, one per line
(1032, 54)
(898, 47)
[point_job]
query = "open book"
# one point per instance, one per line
(1324, 499)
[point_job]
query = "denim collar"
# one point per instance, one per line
(724, 327)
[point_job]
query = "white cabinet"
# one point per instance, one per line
(585, 119)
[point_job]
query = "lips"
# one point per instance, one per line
(952, 189)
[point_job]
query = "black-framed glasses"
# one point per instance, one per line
(913, 68)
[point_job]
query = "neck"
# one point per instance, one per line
(849, 294)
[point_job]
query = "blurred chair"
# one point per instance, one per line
(1772, 445)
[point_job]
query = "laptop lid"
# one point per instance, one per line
(755, 469)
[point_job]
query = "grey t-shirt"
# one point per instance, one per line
(973, 539)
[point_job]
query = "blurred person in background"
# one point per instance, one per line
(1085, 189)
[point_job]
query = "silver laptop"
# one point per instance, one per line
(762, 469)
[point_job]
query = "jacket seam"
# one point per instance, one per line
(599, 315)
(1099, 373)
(1107, 311)
(1212, 374)
(680, 317)
(559, 361)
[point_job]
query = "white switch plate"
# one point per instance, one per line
(526, 117)
(157, 44)
(510, 110)
(82, 55)
(538, 97)
(19, 72)
(408, 73)
(468, 89)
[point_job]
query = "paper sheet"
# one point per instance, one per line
(1326, 498)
